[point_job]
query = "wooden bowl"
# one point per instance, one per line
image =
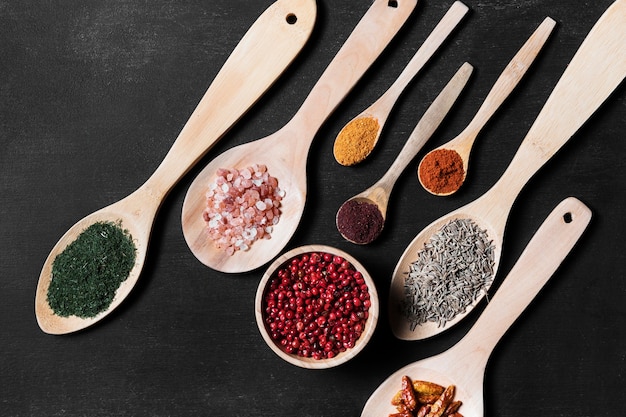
(299, 359)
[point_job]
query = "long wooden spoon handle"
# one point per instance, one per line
(440, 33)
(369, 38)
(510, 77)
(547, 249)
(265, 51)
(428, 124)
(595, 71)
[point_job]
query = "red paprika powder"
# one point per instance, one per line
(441, 171)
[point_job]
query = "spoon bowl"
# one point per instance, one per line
(596, 69)
(381, 108)
(285, 152)
(463, 365)
(461, 145)
(265, 51)
(378, 194)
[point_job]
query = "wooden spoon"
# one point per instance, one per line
(508, 80)
(265, 51)
(464, 364)
(285, 151)
(596, 70)
(381, 108)
(378, 194)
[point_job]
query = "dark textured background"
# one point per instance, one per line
(92, 95)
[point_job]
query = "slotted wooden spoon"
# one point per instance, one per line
(285, 151)
(382, 107)
(596, 69)
(264, 52)
(505, 84)
(464, 364)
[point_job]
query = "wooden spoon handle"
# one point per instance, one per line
(595, 71)
(554, 239)
(440, 33)
(268, 47)
(369, 38)
(509, 79)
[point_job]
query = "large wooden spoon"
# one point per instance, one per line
(359, 229)
(505, 84)
(285, 151)
(596, 69)
(264, 52)
(382, 107)
(464, 364)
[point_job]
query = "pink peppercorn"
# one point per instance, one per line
(316, 305)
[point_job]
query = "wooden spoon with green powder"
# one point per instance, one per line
(265, 51)
(285, 152)
(357, 139)
(361, 218)
(596, 69)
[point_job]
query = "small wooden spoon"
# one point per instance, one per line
(508, 80)
(285, 151)
(381, 108)
(265, 51)
(596, 69)
(464, 364)
(378, 194)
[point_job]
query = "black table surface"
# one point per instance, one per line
(93, 95)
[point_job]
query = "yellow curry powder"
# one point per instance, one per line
(356, 140)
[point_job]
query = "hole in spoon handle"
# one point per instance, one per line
(547, 249)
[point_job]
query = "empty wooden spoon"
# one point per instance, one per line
(463, 366)
(285, 152)
(596, 69)
(264, 52)
(447, 165)
(354, 148)
(361, 218)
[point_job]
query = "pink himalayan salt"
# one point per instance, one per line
(242, 206)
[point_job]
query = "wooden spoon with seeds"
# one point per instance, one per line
(463, 366)
(461, 146)
(380, 109)
(596, 69)
(377, 195)
(264, 52)
(285, 152)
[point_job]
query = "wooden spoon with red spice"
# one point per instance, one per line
(262, 55)
(285, 152)
(463, 366)
(594, 72)
(361, 218)
(442, 171)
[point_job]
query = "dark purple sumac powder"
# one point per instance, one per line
(359, 221)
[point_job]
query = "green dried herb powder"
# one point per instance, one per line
(86, 275)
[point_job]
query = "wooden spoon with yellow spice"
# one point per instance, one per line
(358, 138)
(361, 218)
(267, 48)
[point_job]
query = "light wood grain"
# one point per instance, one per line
(285, 151)
(382, 107)
(264, 52)
(379, 192)
(596, 69)
(464, 364)
(503, 87)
